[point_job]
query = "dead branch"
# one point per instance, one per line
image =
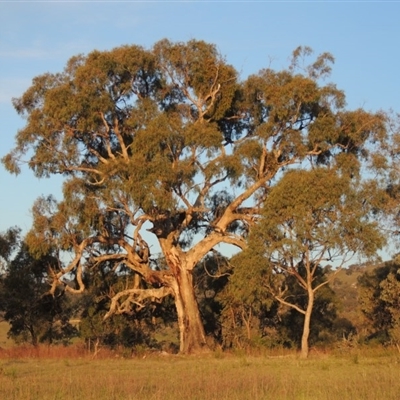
(135, 296)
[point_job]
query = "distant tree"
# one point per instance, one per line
(311, 220)
(379, 297)
(134, 327)
(350, 322)
(166, 150)
(35, 315)
(9, 242)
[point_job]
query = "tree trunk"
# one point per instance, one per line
(34, 338)
(306, 327)
(191, 330)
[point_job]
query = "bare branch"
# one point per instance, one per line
(109, 152)
(286, 303)
(135, 296)
(120, 140)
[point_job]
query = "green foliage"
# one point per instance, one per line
(253, 317)
(310, 220)
(379, 299)
(34, 315)
(130, 109)
(127, 330)
(317, 215)
(249, 312)
(211, 279)
(167, 143)
(117, 331)
(9, 242)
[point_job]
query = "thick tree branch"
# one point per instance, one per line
(198, 251)
(135, 296)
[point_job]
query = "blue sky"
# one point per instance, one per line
(39, 37)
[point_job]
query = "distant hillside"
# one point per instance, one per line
(345, 286)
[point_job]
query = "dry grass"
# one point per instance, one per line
(352, 376)
(5, 342)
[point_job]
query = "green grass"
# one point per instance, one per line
(353, 376)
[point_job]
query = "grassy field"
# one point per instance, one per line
(4, 341)
(217, 376)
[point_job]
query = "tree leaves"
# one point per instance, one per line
(168, 142)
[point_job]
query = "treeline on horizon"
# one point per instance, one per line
(169, 145)
(358, 308)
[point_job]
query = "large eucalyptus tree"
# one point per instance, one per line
(167, 146)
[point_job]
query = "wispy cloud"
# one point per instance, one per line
(27, 52)
(12, 87)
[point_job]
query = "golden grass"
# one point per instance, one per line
(217, 376)
(5, 342)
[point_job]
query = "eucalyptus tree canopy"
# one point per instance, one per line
(167, 142)
(313, 223)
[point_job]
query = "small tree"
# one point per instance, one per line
(310, 220)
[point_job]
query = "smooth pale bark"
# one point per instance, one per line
(191, 331)
(306, 327)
